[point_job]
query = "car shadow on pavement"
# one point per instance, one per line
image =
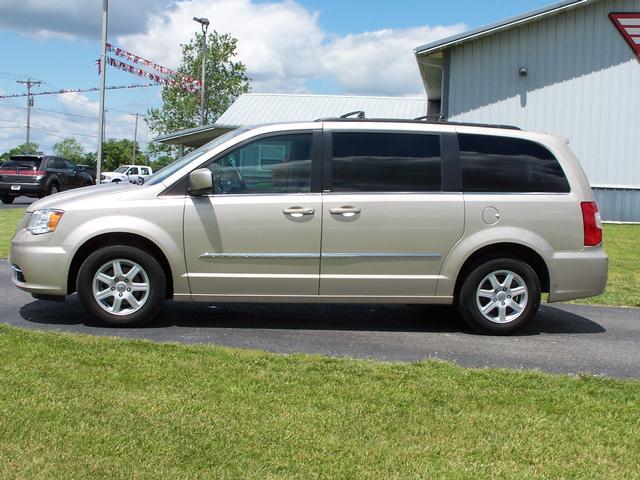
(348, 317)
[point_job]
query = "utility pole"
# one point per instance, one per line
(103, 71)
(29, 83)
(135, 138)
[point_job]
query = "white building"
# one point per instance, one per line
(572, 69)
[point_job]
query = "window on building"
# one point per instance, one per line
(279, 164)
(386, 162)
(502, 164)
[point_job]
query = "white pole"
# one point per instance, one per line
(103, 71)
(204, 70)
(135, 138)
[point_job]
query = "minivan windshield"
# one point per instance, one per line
(172, 168)
(30, 163)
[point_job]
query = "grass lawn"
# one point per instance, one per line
(82, 407)
(622, 243)
(9, 218)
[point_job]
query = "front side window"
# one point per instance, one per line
(133, 171)
(386, 162)
(514, 165)
(278, 164)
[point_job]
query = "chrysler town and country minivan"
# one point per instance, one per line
(338, 210)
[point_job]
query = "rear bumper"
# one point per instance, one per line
(37, 267)
(25, 189)
(578, 274)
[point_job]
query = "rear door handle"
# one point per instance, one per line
(298, 212)
(345, 211)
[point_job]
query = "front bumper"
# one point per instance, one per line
(578, 274)
(37, 267)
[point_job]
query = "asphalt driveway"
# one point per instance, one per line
(563, 338)
(19, 202)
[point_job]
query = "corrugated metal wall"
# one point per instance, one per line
(583, 83)
(618, 205)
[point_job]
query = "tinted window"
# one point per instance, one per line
(133, 171)
(499, 164)
(386, 162)
(68, 165)
(279, 164)
(58, 163)
(22, 162)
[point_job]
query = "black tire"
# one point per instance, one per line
(472, 296)
(150, 304)
(7, 199)
(53, 188)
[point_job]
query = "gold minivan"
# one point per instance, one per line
(338, 210)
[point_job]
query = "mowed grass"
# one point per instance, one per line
(621, 242)
(82, 407)
(9, 218)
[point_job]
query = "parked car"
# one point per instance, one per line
(127, 173)
(38, 176)
(370, 211)
(91, 171)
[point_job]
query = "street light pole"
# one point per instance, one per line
(103, 71)
(204, 23)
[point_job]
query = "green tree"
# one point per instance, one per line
(22, 149)
(225, 80)
(70, 149)
(119, 152)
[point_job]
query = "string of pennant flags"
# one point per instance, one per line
(159, 74)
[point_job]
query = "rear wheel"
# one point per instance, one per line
(121, 285)
(53, 189)
(4, 198)
(500, 296)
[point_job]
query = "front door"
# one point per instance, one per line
(387, 224)
(258, 233)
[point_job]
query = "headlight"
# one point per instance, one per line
(44, 221)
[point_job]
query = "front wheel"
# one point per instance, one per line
(121, 285)
(53, 189)
(499, 296)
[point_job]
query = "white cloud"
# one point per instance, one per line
(283, 46)
(381, 62)
(70, 18)
(76, 115)
(279, 41)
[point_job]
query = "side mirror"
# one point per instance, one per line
(200, 182)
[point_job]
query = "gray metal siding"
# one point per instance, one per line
(618, 204)
(583, 84)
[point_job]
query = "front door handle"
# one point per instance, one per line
(298, 212)
(345, 211)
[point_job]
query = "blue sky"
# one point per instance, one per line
(307, 46)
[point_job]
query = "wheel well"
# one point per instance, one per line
(526, 254)
(118, 239)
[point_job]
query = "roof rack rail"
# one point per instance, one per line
(428, 119)
(358, 113)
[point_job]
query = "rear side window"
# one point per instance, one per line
(386, 162)
(515, 165)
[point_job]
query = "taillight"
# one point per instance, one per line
(592, 224)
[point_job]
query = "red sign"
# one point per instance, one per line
(629, 26)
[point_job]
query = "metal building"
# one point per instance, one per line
(261, 108)
(572, 69)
